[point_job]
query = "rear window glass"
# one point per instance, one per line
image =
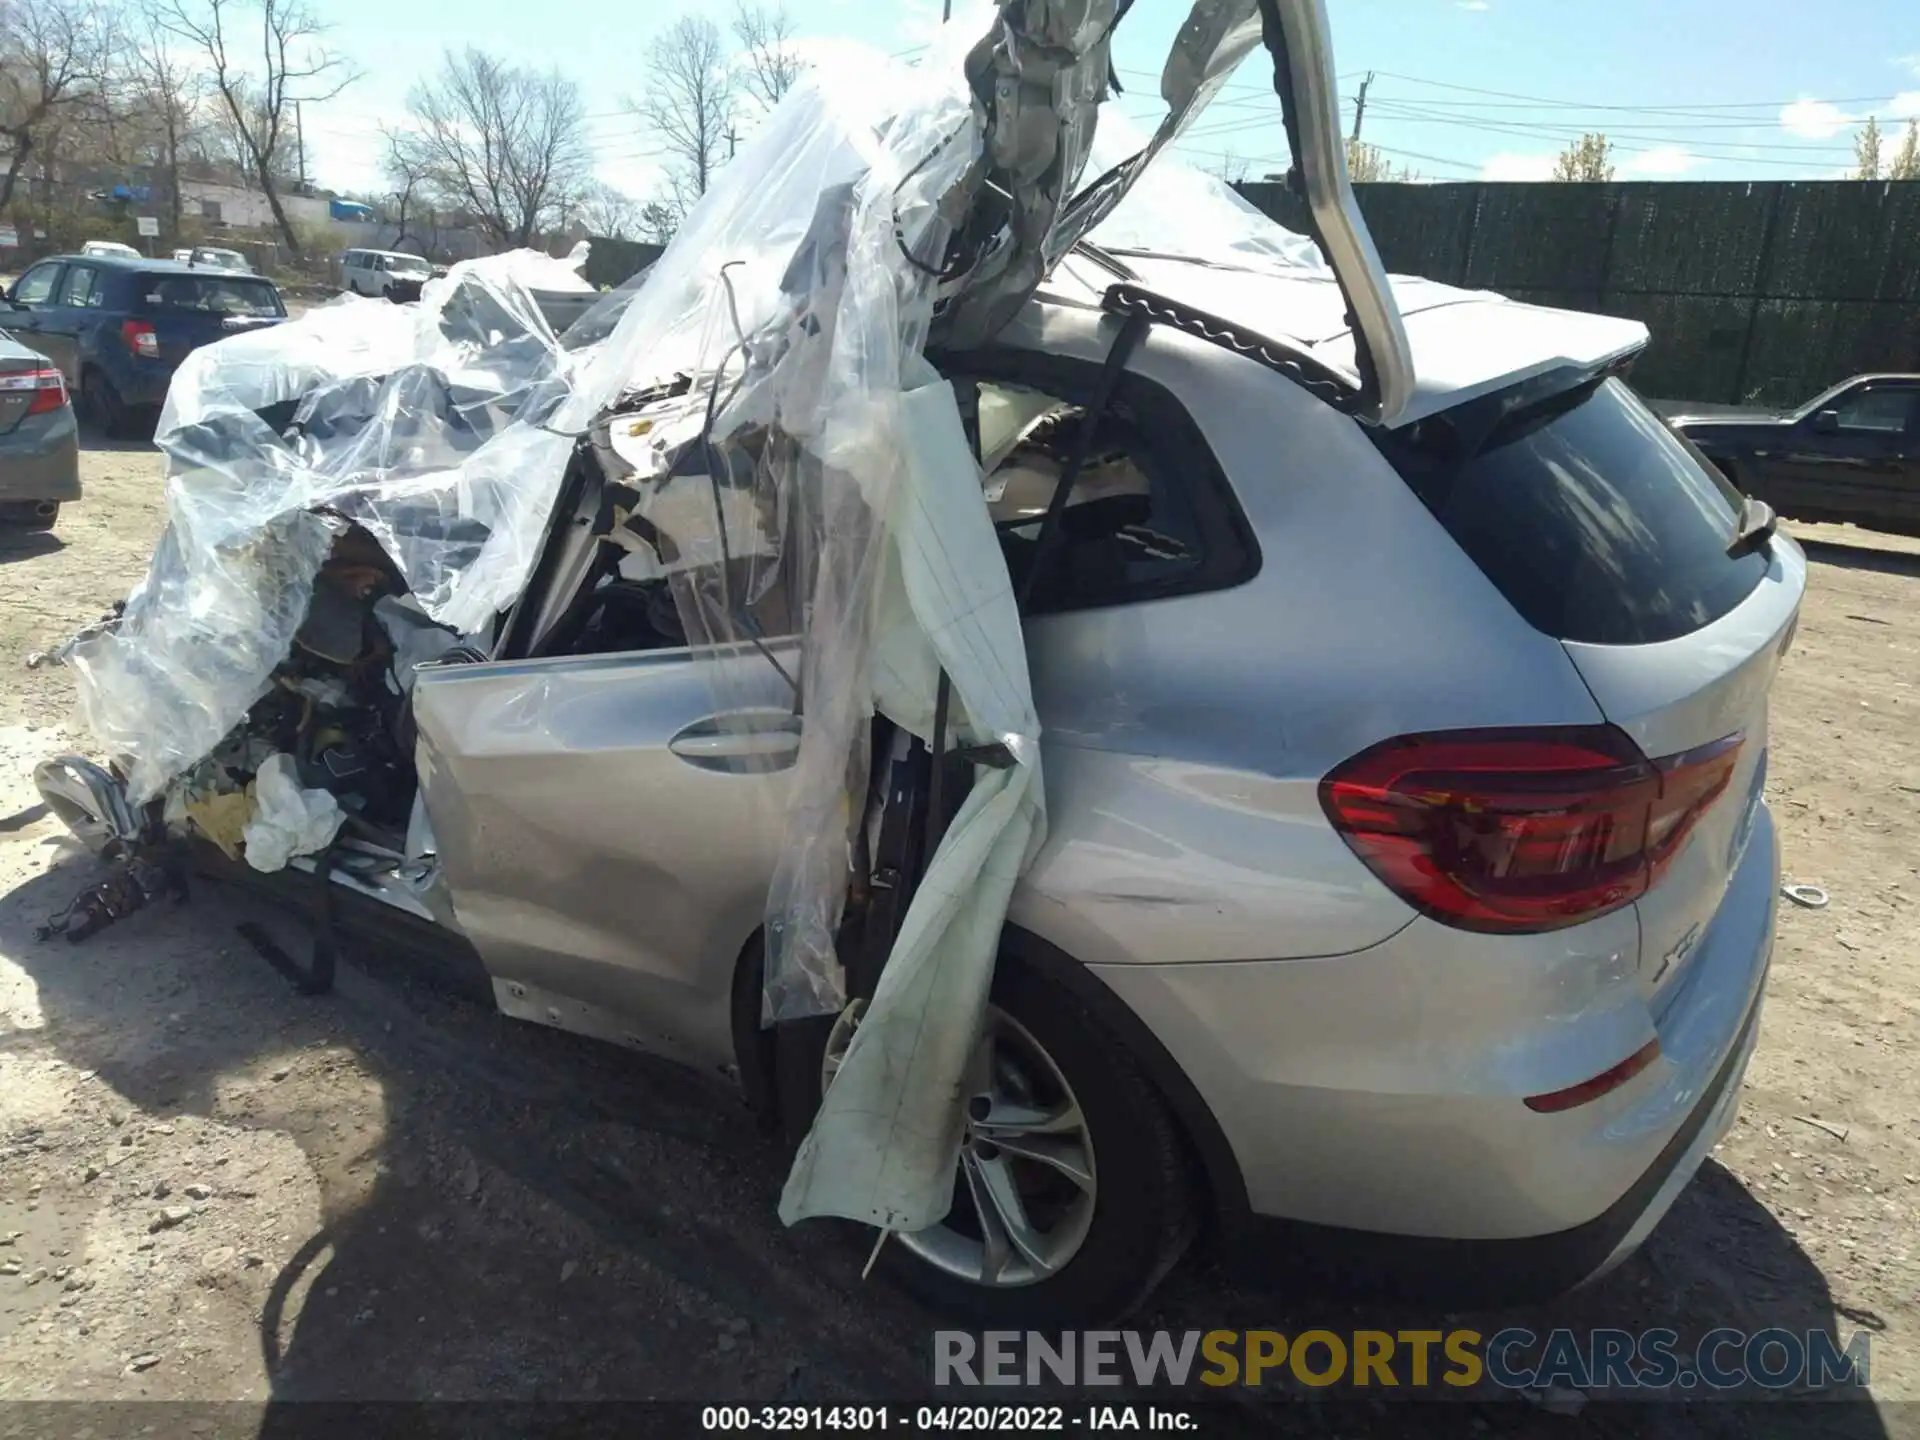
(1596, 522)
(214, 294)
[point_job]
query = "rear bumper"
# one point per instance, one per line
(41, 464)
(1373, 1101)
(141, 383)
(1474, 1273)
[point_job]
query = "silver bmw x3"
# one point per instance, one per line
(1406, 890)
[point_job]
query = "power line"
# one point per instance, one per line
(1579, 105)
(1411, 111)
(1776, 155)
(1810, 154)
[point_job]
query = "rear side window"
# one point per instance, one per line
(1593, 519)
(83, 290)
(213, 294)
(1878, 410)
(1149, 517)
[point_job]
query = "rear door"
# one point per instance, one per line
(608, 825)
(72, 305)
(1606, 532)
(1862, 468)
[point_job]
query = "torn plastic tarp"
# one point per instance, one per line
(421, 422)
(882, 1147)
(813, 402)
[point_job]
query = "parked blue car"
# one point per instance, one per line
(118, 328)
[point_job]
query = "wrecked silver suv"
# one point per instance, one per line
(1388, 891)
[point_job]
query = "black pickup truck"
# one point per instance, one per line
(1850, 455)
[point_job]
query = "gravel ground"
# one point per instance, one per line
(222, 1191)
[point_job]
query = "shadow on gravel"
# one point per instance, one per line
(137, 440)
(18, 544)
(522, 1215)
(1862, 557)
(526, 1216)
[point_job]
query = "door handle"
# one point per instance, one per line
(742, 742)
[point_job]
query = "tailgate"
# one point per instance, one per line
(1607, 532)
(1682, 697)
(180, 335)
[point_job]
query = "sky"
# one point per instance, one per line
(1460, 89)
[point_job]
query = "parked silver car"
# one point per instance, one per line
(1406, 894)
(39, 440)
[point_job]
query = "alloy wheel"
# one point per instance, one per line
(1027, 1185)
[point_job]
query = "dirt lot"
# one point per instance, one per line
(226, 1192)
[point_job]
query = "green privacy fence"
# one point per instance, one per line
(611, 262)
(1754, 293)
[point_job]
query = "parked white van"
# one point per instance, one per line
(382, 272)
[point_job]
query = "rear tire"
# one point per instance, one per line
(1111, 1243)
(104, 407)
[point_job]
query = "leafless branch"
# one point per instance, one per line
(54, 58)
(688, 104)
(770, 63)
(295, 66)
(508, 145)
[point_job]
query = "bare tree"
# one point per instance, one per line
(1588, 158)
(606, 211)
(409, 181)
(769, 61)
(54, 56)
(507, 144)
(1905, 164)
(296, 67)
(1871, 160)
(1232, 170)
(658, 222)
(1866, 150)
(689, 105)
(169, 90)
(1368, 164)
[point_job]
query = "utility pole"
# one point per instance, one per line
(300, 139)
(733, 141)
(1360, 106)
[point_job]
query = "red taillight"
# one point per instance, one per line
(1519, 831)
(49, 389)
(140, 338)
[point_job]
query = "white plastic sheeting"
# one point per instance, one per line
(883, 1145)
(424, 423)
(1173, 209)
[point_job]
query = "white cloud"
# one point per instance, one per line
(1905, 105)
(1661, 162)
(1510, 166)
(1814, 119)
(1476, 6)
